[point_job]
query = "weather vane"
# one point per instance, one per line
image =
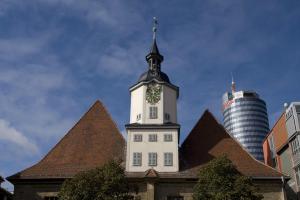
(155, 24)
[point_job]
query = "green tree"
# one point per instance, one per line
(220, 180)
(105, 183)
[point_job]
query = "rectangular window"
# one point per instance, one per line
(297, 109)
(273, 151)
(137, 159)
(152, 138)
(168, 138)
(138, 117)
(167, 116)
(138, 138)
(152, 159)
(297, 172)
(168, 159)
(295, 146)
(153, 112)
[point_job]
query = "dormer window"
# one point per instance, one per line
(153, 112)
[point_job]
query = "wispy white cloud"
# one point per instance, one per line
(117, 60)
(10, 134)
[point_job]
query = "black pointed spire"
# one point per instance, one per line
(154, 49)
(154, 58)
(154, 55)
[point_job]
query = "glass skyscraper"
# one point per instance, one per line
(246, 119)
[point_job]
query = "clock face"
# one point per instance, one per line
(153, 93)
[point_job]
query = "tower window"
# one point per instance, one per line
(152, 138)
(168, 159)
(137, 159)
(138, 117)
(168, 138)
(152, 159)
(167, 116)
(153, 112)
(138, 138)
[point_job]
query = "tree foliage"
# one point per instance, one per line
(105, 183)
(220, 180)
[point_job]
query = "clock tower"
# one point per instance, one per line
(153, 132)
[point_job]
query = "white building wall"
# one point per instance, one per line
(139, 105)
(170, 103)
(292, 119)
(160, 147)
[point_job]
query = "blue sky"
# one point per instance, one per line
(57, 57)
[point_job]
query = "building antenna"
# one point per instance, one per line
(232, 84)
(154, 29)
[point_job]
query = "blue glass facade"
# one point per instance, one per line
(246, 119)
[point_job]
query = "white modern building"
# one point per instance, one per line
(246, 119)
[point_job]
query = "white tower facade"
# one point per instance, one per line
(153, 132)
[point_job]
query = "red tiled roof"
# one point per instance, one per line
(208, 139)
(94, 140)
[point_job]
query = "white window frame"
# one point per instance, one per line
(153, 112)
(138, 138)
(152, 137)
(152, 159)
(168, 137)
(137, 159)
(168, 159)
(295, 146)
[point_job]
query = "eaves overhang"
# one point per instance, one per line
(152, 126)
